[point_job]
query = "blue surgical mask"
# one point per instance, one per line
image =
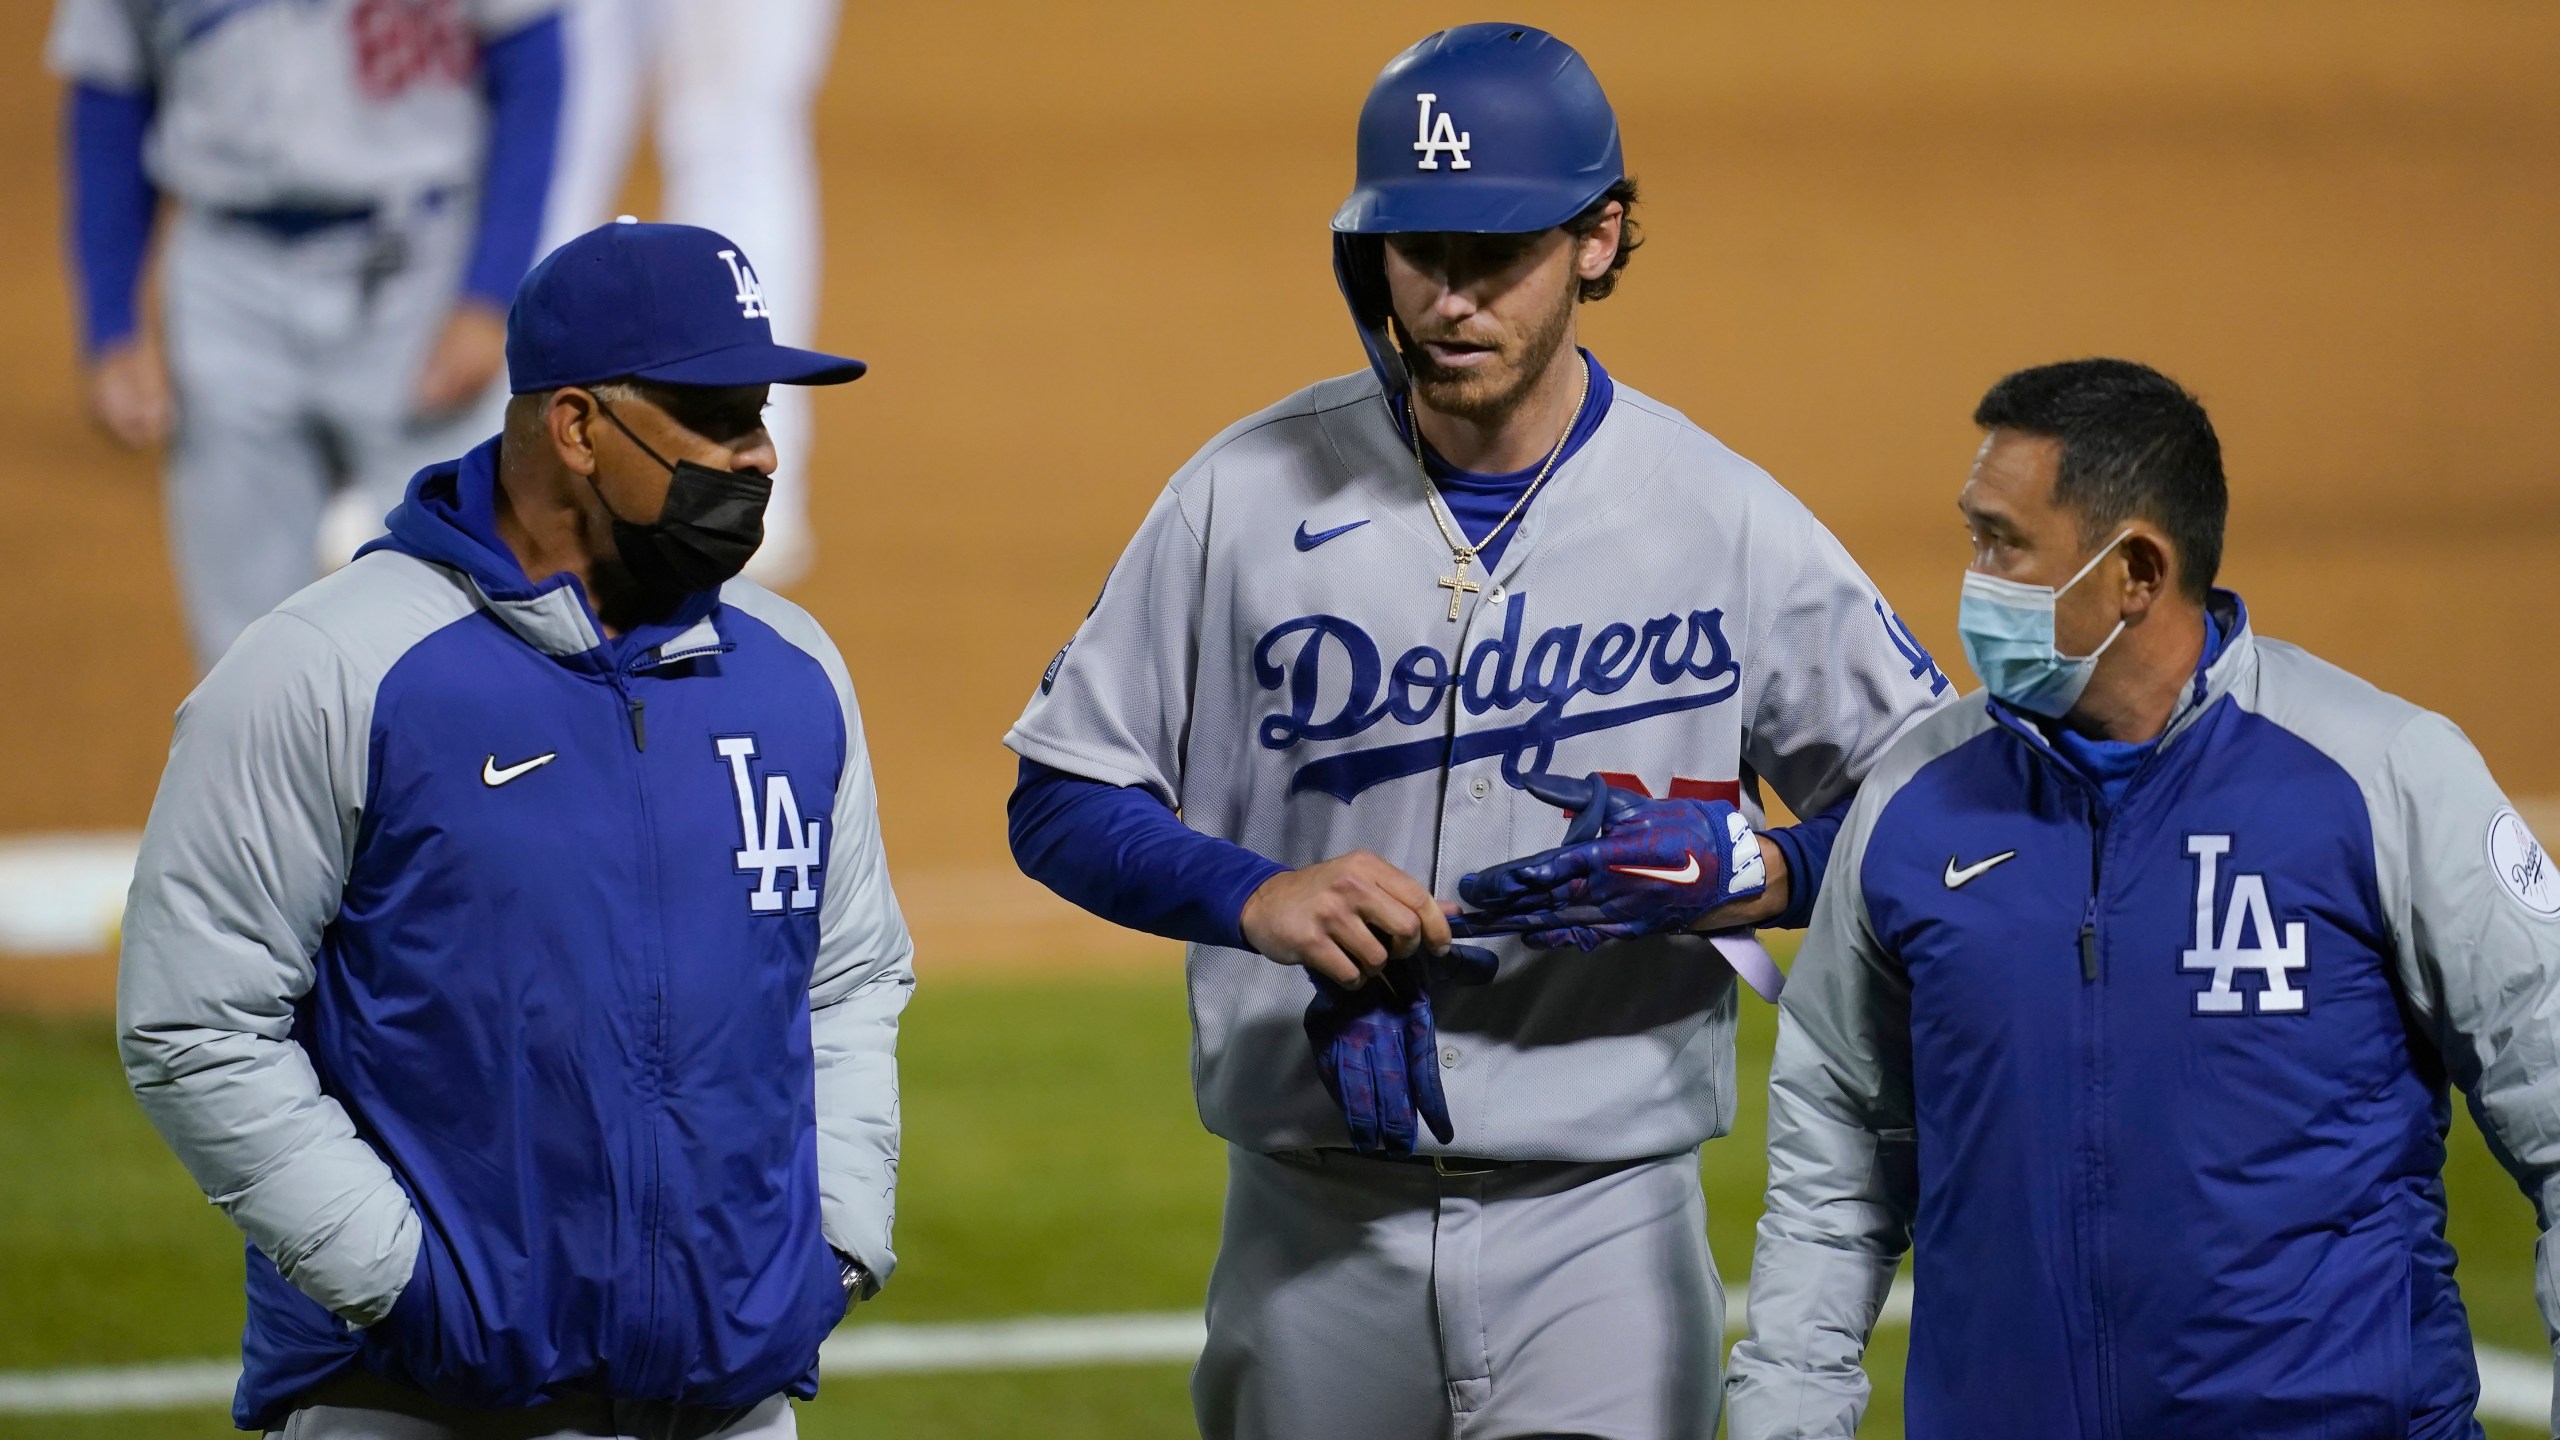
(2007, 628)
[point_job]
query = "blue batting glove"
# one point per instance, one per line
(1378, 1052)
(1628, 866)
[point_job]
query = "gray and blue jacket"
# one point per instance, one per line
(2156, 1091)
(528, 998)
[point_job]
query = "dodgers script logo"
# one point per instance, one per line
(1431, 139)
(785, 843)
(750, 296)
(1338, 686)
(2274, 956)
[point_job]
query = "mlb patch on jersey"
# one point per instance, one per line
(2522, 865)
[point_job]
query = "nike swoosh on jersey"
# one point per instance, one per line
(1685, 875)
(1309, 542)
(493, 776)
(1958, 876)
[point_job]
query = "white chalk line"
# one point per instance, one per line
(63, 894)
(2513, 1386)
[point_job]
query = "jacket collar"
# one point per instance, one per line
(449, 518)
(2219, 671)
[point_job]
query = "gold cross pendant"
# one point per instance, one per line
(1458, 585)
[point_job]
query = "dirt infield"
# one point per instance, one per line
(1074, 245)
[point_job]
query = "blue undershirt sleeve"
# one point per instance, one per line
(1807, 846)
(1121, 852)
(521, 73)
(112, 208)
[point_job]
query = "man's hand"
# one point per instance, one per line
(1344, 918)
(467, 356)
(1371, 938)
(129, 393)
(1629, 866)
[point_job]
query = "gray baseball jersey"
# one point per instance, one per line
(296, 102)
(1274, 655)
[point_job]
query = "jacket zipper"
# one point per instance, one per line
(653, 1078)
(2093, 1009)
(2094, 1012)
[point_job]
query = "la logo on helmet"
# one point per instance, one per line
(1436, 133)
(750, 299)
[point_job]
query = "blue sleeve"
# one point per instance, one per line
(1120, 852)
(111, 210)
(1807, 846)
(522, 75)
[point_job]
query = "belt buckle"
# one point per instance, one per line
(1460, 1166)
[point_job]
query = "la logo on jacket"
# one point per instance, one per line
(774, 839)
(2248, 940)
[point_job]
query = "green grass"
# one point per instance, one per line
(1054, 1165)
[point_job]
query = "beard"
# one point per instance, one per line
(1486, 393)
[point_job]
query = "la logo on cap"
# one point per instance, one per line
(750, 299)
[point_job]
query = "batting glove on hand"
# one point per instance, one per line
(1628, 866)
(1378, 1053)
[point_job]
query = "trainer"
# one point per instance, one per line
(512, 956)
(2134, 995)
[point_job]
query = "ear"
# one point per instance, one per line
(570, 420)
(1593, 253)
(2150, 569)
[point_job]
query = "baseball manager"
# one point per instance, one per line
(512, 957)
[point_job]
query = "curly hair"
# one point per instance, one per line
(1581, 226)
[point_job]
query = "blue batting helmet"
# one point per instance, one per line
(1486, 129)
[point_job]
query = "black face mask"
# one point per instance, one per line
(713, 521)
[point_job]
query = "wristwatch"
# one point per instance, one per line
(858, 1281)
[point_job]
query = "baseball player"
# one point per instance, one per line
(732, 87)
(1347, 635)
(2133, 1001)
(512, 956)
(358, 188)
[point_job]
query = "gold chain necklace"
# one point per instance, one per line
(1462, 554)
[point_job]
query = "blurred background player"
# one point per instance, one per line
(358, 187)
(732, 86)
(1324, 680)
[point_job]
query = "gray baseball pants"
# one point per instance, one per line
(1358, 1297)
(362, 1407)
(294, 362)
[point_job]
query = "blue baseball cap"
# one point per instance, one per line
(676, 304)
